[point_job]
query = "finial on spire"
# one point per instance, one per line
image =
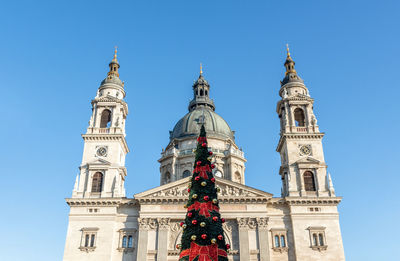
(115, 54)
(201, 69)
(287, 51)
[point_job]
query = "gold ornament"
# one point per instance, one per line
(215, 201)
(189, 184)
(204, 183)
(184, 226)
(218, 189)
(202, 224)
(194, 196)
(213, 241)
(185, 206)
(193, 237)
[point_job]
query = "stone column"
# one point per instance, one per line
(162, 243)
(262, 224)
(244, 250)
(142, 238)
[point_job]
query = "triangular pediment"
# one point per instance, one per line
(99, 161)
(229, 190)
(307, 159)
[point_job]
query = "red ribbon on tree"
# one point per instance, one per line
(205, 253)
(203, 171)
(202, 139)
(205, 208)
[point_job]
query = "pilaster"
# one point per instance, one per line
(262, 224)
(163, 228)
(244, 251)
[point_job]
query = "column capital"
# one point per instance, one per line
(246, 223)
(147, 223)
(163, 223)
(262, 222)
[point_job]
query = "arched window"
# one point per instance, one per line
(299, 117)
(167, 177)
(124, 241)
(315, 240)
(238, 177)
(283, 242)
(105, 119)
(321, 239)
(92, 240)
(86, 240)
(97, 182)
(206, 92)
(201, 92)
(276, 241)
(130, 241)
(309, 183)
(186, 173)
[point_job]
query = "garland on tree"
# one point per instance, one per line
(203, 237)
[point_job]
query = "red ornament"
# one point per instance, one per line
(210, 153)
(197, 178)
(223, 220)
(190, 214)
(206, 198)
(188, 190)
(213, 179)
(220, 237)
(215, 218)
(228, 246)
(198, 163)
(194, 221)
(212, 166)
(182, 223)
(204, 236)
(204, 144)
(178, 246)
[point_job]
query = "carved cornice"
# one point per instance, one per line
(100, 201)
(303, 136)
(107, 137)
(304, 201)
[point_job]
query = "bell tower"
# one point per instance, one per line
(102, 172)
(303, 169)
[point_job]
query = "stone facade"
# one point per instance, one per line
(302, 224)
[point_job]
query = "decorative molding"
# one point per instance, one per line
(246, 223)
(280, 249)
(313, 201)
(319, 248)
(262, 222)
(108, 202)
(147, 223)
(87, 249)
(163, 223)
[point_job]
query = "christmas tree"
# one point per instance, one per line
(203, 237)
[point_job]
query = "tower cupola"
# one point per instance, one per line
(112, 84)
(201, 92)
(290, 74)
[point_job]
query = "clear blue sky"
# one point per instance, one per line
(54, 54)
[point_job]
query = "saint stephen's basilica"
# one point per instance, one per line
(301, 224)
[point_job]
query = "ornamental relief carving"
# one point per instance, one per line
(147, 223)
(262, 222)
(163, 223)
(247, 223)
(234, 191)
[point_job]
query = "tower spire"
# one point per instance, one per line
(114, 65)
(201, 69)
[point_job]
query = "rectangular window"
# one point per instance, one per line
(317, 238)
(126, 238)
(279, 239)
(88, 239)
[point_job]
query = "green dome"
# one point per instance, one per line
(189, 125)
